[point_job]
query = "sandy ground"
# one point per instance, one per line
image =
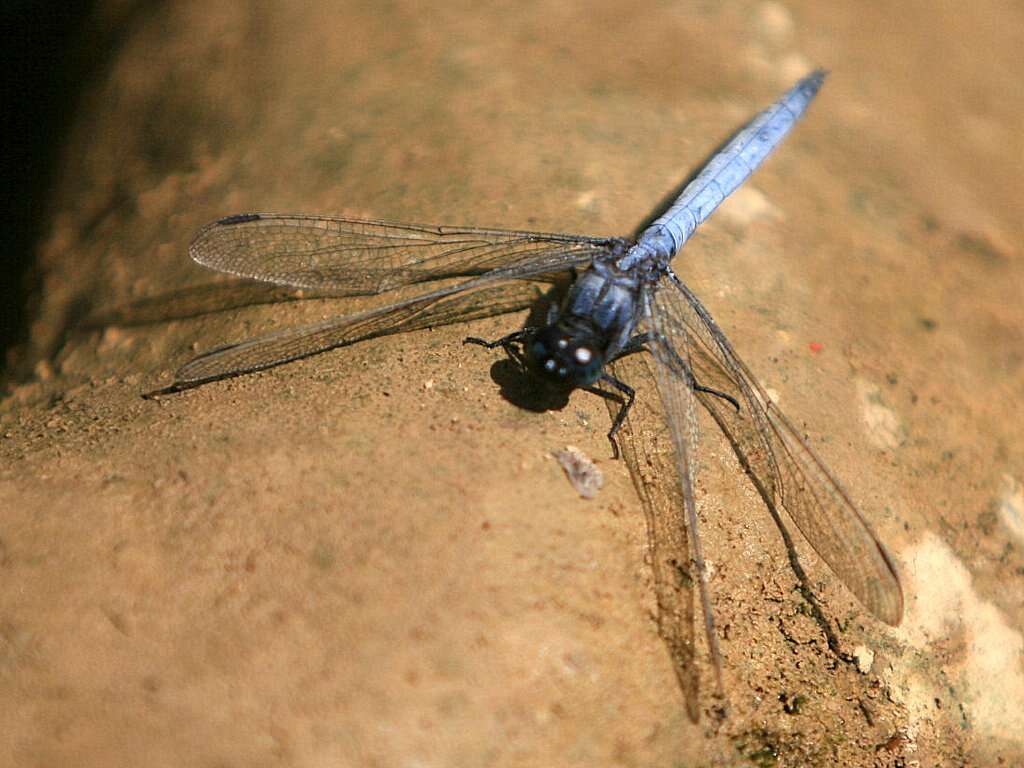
(370, 557)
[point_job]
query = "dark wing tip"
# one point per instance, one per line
(156, 394)
(197, 248)
(238, 218)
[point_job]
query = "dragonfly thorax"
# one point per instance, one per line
(566, 355)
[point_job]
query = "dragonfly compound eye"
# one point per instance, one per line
(558, 358)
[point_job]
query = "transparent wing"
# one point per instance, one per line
(467, 300)
(670, 349)
(649, 451)
(349, 257)
(784, 467)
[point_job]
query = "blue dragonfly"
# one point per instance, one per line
(624, 298)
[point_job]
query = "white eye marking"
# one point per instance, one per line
(549, 364)
(563, 343)
(584, 355)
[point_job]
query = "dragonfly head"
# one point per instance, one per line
(565, 359)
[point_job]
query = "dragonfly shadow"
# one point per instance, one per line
(817, 614)
(517, 386)
(193, 301)
(522, 390)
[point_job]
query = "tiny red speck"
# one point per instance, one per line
(815, 347)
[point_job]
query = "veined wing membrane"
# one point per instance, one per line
(671, 351)
(479, 297)
(649, 451)
(352, 257)
(789, 471)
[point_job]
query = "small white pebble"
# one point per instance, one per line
(865, 658)
(583, 474)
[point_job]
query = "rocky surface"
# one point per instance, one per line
(370, 557)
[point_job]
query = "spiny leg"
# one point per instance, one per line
(515, 337)
(630, 396)
(508, 343)
(639, 343)
(717, 393)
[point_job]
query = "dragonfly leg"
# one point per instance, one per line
(513, 338)
(716, 392)
(640, 342)
(636, 344)
(507, 343)
(630, 395)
